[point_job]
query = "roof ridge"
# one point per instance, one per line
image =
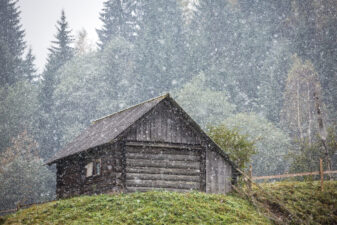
(133, 106)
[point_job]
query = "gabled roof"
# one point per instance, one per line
(111, 127)
(106, 129)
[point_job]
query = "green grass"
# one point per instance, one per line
(306, 199)
(302, 198)
(142, 208)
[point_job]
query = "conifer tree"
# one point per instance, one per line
(29, 69)
(112, 17)
(59, 53)
(161, 45)
(12, 44)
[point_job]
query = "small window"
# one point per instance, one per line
(93, 168)
(89, 169)
(97, 167)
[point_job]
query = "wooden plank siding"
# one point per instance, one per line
(218, 173)
(163, 125)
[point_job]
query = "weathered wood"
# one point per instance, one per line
(164, 124)
(163, 184)
(162, 163)
(144, 144)
(321, 173)
(140, 156)
(167, 177)
(153, 170)
(218, 178)
(162, 151)
(145, 189)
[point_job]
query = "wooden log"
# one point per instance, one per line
(162, 157)
(162, 151)
(153, 170)
(163, 184)
(167, 177)
(162, 163)
(144, 189)
(163, 145)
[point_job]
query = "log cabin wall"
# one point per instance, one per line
(71, 172)
(164, 152)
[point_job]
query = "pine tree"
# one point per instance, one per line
(161, 47)
(12, 44)
(112, 17)
(59, 53)
(29, 69)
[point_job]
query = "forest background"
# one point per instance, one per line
(263, 72)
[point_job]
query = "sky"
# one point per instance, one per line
(39, 17)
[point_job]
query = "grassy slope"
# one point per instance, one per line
(303, 198)
(143, 208)
(307, 200)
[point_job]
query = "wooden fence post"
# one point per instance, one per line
(250, 174)
(321, 173)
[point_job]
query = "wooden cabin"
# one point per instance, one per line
(154, 145)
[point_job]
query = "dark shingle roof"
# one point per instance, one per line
(106, 129)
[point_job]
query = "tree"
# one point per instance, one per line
(118, 21)
(12, 43)
(206, 106)
(306, 159)
(23, 177)
(59, 53)
(81, 96)
(29, 69)
(18, 111)
(271, 143)
(238, 147)
(82, 45)
(299, 100)
(161, 47)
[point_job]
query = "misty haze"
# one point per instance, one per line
(168, 112)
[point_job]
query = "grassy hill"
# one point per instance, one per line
(303, 198)
(306, 200)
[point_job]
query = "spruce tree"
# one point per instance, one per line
(112, 17)
(29, 69)
(119, 20)
(161, 47)
(12, 44)
(59, 53)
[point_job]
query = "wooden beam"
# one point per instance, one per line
(162, 145)
(293, 175)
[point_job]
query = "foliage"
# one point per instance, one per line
(59, 53)
(299, 105)
(82, 86)
(306, 200)
(23, 177)
(160, 47)
(205, 105)
(306, 158)
(12, 43)
(29, 69)
(271, 142)
(143, 208)
(18, 106)
(237, 146)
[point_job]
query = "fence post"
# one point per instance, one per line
(321, 173)
(250, 175)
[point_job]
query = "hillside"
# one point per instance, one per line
(303, 198)
(306, 200)
(142, 208)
